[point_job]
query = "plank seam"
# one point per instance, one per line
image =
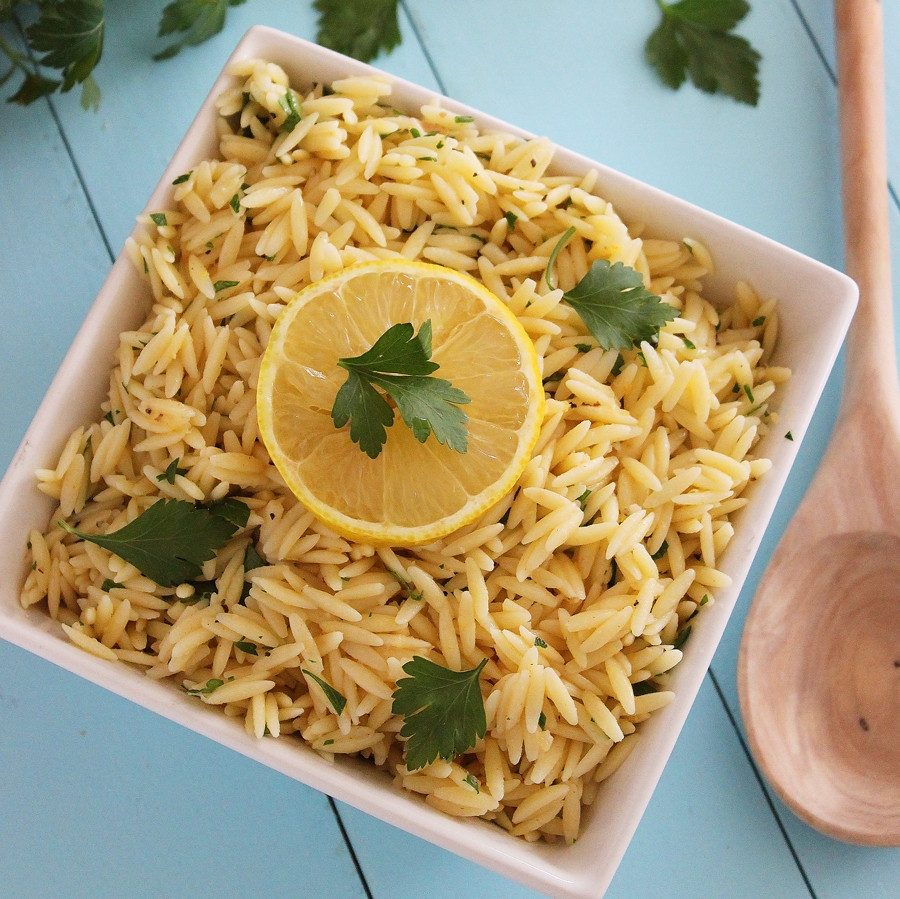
(428, 58)
(762, 785)
(68, 148)
(814, 40)
(350, 849)
(831, 74)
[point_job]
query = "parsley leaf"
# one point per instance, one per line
(559, 245)
(33, 87)
(252, 558)
(411, 592)
(682, 637)
(335, 699)
(358, 28)
(169, 542)
(612, 301)
(292, 109)
(443, 711)
(198, 20)
(211, 685)
(171, 472)
(231, 509)
(693, 39)
(70, 35)
(643, 688)
(400, 364)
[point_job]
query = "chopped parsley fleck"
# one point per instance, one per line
(758, 322)
(749, 393)
(463, 119)
(235, 204)
(661, 551)
(789, 436)
(618, 366)
(247, 647)
(689, 343)
(583, 347)
(182, 178)
(582, 500)
(511, 219)
(682, 638)
(224, 285)
(541, 644)
(289, 104)
(415, 132)
(159, 218)
(472, 781)
(542, 721)
(211, 685)
(336, 700)
(109, 584)
(172, 471)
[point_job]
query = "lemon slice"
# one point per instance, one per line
(412, 492)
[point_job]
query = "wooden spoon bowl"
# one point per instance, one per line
(831, 673)
(819, 666)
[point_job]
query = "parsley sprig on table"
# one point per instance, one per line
(358, 28)
(400, 364)
(67, 36)
(694, 38)
(171, 540)
(443, 711)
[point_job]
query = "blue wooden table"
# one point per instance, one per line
(101, 798)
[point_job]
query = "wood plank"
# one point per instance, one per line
(102, 798)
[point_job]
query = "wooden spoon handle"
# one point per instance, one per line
(870, 344)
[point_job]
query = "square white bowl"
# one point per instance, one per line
(816, 304)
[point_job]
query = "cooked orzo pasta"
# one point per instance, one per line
(576, 589)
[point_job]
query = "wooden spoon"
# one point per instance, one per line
(819, 666)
